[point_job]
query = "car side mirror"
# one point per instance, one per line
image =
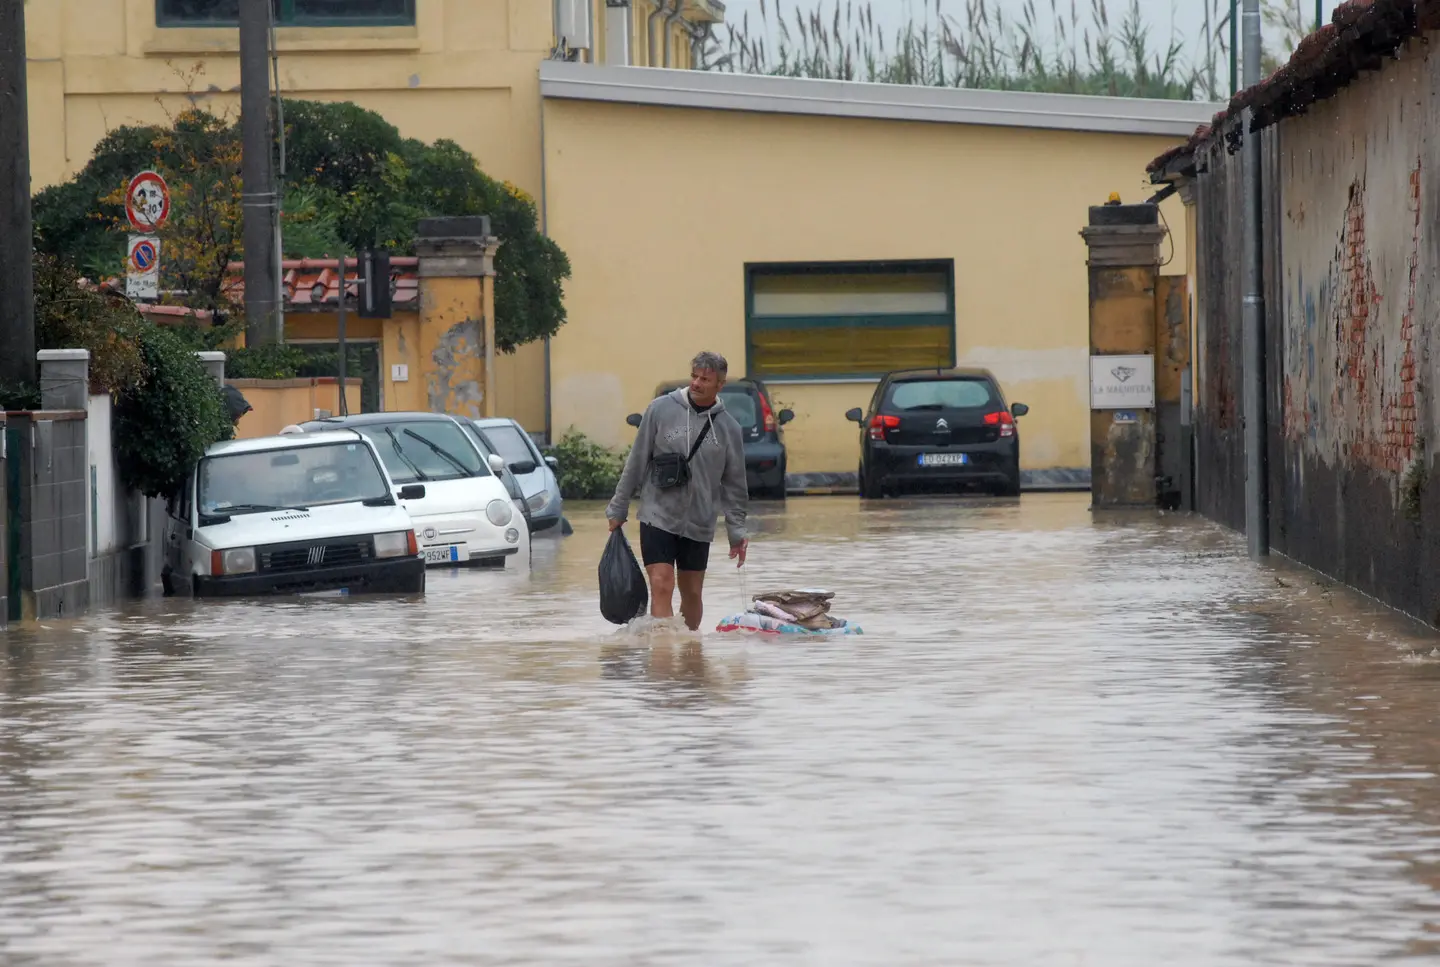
(633, 419)
(497, 462)
(522, 466)
(412, 492)
(1019, 409)
(855, 415)
(552, 463)
(786, 415)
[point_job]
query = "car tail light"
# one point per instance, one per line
(1002, 419)
(879, 424)
(766, 414)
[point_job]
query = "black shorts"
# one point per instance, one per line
(662, 547)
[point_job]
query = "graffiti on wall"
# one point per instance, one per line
(1349, 387)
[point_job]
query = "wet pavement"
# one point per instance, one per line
(1063, 739)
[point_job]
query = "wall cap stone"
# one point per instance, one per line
(63, 355)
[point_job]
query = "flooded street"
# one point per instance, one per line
(1063, 739)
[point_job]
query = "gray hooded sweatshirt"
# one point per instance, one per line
(717, 474)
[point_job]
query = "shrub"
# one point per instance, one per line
(588, 471)
(164, 422)
(68, 316)
(271, 361)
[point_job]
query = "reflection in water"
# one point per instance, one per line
(1064, 738)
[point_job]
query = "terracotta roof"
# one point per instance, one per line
(303, 275)
(1360, 35)
(300, 279)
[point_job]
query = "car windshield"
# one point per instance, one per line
(415, 452)
(302, 476)
(507, 441)
(941, 394)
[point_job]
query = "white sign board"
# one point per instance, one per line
(1122, 382)
(399, 373)
(142, 268)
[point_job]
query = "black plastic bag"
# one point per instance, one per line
(623, 592)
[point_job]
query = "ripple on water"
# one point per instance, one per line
(1063, 739)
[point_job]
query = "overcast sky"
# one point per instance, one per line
(1184, 17)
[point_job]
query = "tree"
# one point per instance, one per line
(351, 182)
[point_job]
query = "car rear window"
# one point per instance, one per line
(941, 394)
(744, 406)
(506, 441)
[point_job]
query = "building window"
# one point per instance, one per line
(288, 13)
(838, 320)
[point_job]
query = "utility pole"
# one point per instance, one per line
(262, 303)
(1257, 505)
(17, 276)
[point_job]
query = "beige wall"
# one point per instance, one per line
(277, 403)
(659, 248)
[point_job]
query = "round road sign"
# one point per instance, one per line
(147, 202)
(143, 257)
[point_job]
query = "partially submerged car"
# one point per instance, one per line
(533, 471)
(466, 516)
(939, 430)
(289, 514)
(749, 401)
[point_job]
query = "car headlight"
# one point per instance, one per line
(499, 512)
(395, 544)
(538, 501)
(237, 560)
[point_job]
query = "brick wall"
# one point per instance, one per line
(1352, 273)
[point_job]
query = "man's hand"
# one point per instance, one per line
(615, 525)
(738, 551)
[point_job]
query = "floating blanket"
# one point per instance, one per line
(753, 622)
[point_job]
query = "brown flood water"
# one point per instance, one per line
(1063, 739)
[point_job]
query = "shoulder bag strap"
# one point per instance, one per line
(699, 440)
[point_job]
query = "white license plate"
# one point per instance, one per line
(443, 555)
(944, 459)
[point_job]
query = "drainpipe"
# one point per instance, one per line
(670, 30)
(650, 31)
(1257, 510)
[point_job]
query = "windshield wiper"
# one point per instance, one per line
(252, 508)
(441, 452)
(395, 442)
(924, 406)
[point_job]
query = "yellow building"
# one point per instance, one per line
(820, 233)
(815, 232)
(459, 69)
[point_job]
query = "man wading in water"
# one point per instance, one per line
(687, 466)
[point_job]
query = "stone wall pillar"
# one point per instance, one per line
(214, 363)
(457, 314)
(64, 379)
(1124, 259)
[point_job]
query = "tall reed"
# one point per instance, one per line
(985, 48)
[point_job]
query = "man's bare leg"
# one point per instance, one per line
(662, 590)
(691, 605)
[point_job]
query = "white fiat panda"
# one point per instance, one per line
(287, 514)
(466, 516)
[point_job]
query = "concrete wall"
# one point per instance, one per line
(5, 526)
(53, 555)
(656, 281)
(1351, 270)
(277, 403)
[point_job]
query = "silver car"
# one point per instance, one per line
(534, 472)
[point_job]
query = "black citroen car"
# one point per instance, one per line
(939, 429)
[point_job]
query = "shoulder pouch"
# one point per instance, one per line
(670, 470)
